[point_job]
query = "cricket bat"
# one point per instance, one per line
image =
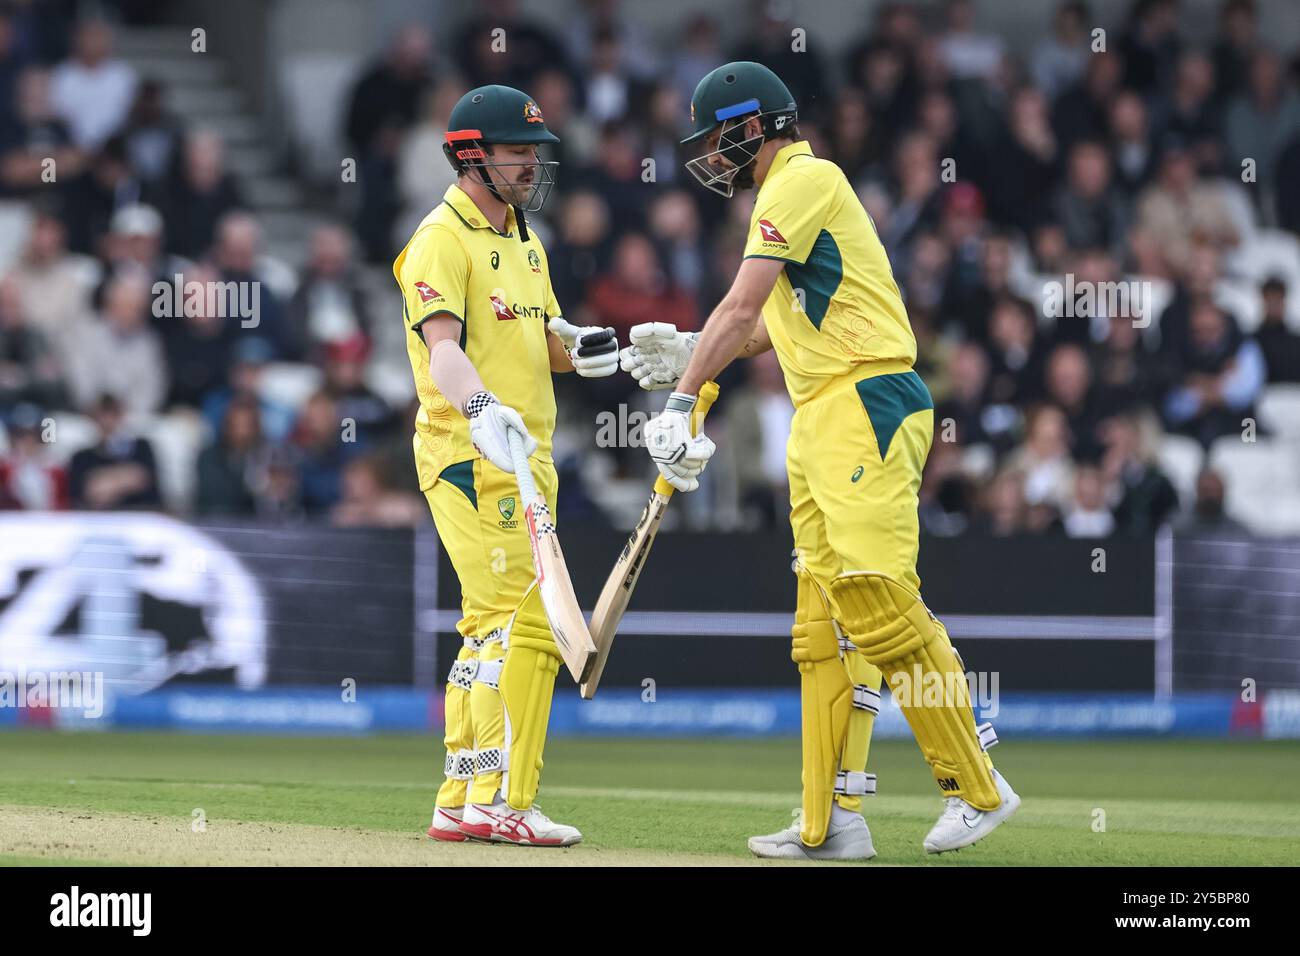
(616, 594)
(558, 600)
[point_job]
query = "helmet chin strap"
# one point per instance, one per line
(520, 221)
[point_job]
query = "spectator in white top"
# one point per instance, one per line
(1058, 61)
(120, 355)
(967, 54)
(92, 92)
(1088, 516)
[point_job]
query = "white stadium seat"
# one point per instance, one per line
(72, 432)
(1181, 459)
(1261, 481)
(15, 223)
(1241, 298)
(1279, 410)
(289, 383)
(1271, 253)
(176, 439)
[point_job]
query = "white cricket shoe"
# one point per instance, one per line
(850, 840)
(446, 824)
(501, 823)
(960, 824)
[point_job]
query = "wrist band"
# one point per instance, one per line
(680, 402)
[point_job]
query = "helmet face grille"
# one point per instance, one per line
(468, 155)
(737, 152)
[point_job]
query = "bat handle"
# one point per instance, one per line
(523, 473)
(703, 402)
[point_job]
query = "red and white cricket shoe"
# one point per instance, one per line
(501, 823)
(446, 824)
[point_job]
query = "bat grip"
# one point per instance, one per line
(703, 402)
(523, 473)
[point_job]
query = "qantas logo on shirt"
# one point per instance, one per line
(501, 309)
(771, 233)
(427, 293)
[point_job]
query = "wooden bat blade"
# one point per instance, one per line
(617, 592)
(558, 600)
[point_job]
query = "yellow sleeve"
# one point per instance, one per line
(787, 220)
(434, 276)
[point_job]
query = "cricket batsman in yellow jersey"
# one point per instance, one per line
(478, 307)
(816, 285)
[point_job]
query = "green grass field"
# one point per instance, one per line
(128, 798)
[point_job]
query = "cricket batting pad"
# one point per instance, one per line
(826, 704)
(512, 708)
(897, 633)
(458, 730)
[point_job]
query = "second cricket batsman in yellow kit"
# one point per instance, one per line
(484, 334)
(816, 286)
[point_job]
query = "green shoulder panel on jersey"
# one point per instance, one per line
(889, 399)
(819, 277)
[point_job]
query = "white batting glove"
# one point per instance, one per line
(592, 350)
(488, 424)
(658, 354)
(679, 456)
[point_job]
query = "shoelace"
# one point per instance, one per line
(953, 807)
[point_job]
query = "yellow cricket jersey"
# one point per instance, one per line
(836, 306)
(499, 289)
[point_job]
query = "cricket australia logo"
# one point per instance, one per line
(534, 261)
(771, 233)
(506, 507)
(532, 114)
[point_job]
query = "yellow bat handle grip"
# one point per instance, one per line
(703, 402)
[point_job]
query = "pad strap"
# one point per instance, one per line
(491, 760)
(868, 699)
(473, 643)
(462, 673)
(988, 736)
(489, 673)
(459, 764)
(855, 783)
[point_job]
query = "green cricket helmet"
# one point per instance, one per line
(725, 100)
(498, 115)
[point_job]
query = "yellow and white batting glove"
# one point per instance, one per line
(679, 456)
(658, 354)
(488, 424)
(592, 350)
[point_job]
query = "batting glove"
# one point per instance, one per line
(679, 456)
(592, 350)
(658, 354)
(488, 424)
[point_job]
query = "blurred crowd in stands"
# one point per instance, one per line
(996, 178)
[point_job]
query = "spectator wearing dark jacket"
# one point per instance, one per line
(119, 471)
(1222, 374)
(1281, 346)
